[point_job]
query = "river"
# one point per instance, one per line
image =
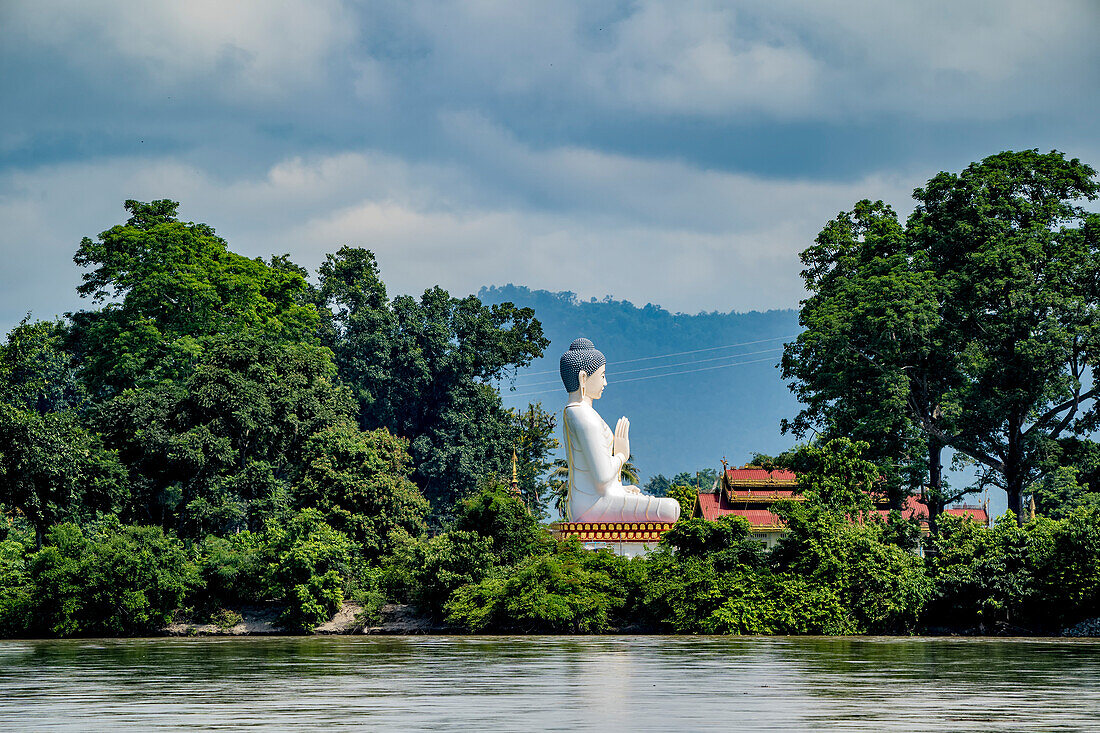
(649, 683)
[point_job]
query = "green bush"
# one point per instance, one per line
(15, 589)
(426, 571)
(235, 570)
(311, 567)
(728, 542)
(117, 580)
(883, 587)
(565, 592)
(993, 577)
(496, 513)
(1069, 574)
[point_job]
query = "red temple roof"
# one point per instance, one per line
(754, 475)
(712, 506)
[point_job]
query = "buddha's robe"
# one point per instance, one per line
(596, 493)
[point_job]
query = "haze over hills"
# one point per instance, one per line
(714, 391)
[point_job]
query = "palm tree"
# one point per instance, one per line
(558, 481)
(630, 471)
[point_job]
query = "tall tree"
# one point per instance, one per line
(216, 452)
(1016, 259)
(872, 362)
(534, 446)
(972, 328)
(359, 482)
(173, 286)
(423, 368)
(51, 467)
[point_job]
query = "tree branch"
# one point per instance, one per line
(1053, 412)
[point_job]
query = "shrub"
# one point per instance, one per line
(235, 570)
(555, 593)
(15, 589)
(496, 513)
(118, 580)
(426, 571)
(310, 569)
(989, 577)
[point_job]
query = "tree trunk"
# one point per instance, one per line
(934, 498)
(1016, 501)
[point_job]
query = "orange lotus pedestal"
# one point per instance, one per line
(623, 538)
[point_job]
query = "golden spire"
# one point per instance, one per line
(515, 478)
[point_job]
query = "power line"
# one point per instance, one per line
(674, 353)
(667, 366)
(652, 376)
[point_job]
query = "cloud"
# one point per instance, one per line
(244, 46)
(680, 153)
(786, 59)
(646, 230)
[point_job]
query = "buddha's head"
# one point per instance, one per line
(583, 369)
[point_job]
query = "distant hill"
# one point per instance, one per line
(683, 422)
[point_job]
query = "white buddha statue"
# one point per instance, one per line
(595, 454)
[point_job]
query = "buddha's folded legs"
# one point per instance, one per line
(631, 508)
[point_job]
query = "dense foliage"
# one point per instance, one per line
(971, 328)
(222, 436)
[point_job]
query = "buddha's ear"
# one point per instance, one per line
(582, 376)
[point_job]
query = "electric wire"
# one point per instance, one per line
(665, 366)
(651, 376)
(674, 353)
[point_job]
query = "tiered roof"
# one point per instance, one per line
(748, 491)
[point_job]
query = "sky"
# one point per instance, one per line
(677, 153)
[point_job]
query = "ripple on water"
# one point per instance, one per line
(533, 683)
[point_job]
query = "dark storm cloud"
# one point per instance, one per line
(683, 152)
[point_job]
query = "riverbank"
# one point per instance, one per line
(398, 619)
(393, 619)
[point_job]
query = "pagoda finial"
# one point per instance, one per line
(515, 476)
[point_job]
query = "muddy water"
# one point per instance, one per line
(550, 683)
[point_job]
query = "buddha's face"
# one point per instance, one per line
(592, 385)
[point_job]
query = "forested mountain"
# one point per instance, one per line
(682, 422)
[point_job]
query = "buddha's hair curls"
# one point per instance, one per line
(582, 356)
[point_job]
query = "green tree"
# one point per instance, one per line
(657, 485)
(496, 513)
(971, 328)
(872, 363)
(423, 368)
(835, 475)
(1060, 492)
(701, 480)
(173, 286)
(1016, 256)
(535, 444)
(687, 496)
(51, 467)
(359, 481)
(216, 452)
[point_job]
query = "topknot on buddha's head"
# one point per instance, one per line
(583, 356)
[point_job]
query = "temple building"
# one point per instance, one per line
(750, 492)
